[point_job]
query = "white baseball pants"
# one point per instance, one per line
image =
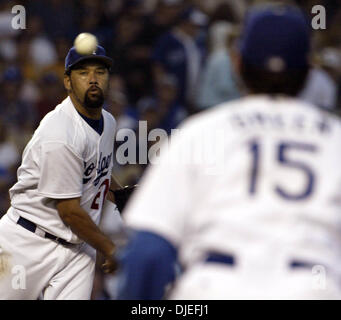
(33, 267)
(216, 281)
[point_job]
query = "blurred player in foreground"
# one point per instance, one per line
(263, 220)
(49, 236)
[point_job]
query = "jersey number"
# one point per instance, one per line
(103, 189)
(282, 150)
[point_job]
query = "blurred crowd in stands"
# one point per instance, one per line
(173, 58)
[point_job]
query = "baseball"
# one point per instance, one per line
(85, 43)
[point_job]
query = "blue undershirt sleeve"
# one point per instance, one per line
(147, 266)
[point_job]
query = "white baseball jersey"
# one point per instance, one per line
(258, 178)
(65, 158)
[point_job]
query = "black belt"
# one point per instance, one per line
(230, 260)
(27, 224)
(220, 258)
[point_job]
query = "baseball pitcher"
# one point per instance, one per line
(49, 236)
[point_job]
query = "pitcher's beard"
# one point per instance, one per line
(94, 102)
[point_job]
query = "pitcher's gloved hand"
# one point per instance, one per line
(122, 195)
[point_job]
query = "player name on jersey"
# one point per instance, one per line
(277, 121)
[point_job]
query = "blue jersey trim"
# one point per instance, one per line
(97, 125)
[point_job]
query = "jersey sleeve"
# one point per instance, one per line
(141, 260)
(61, 171)
(162, 201)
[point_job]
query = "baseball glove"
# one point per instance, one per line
(122, 195)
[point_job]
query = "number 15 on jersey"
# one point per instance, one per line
(281, 152)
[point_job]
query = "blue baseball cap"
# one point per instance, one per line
(276, 38)
(73, 58)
